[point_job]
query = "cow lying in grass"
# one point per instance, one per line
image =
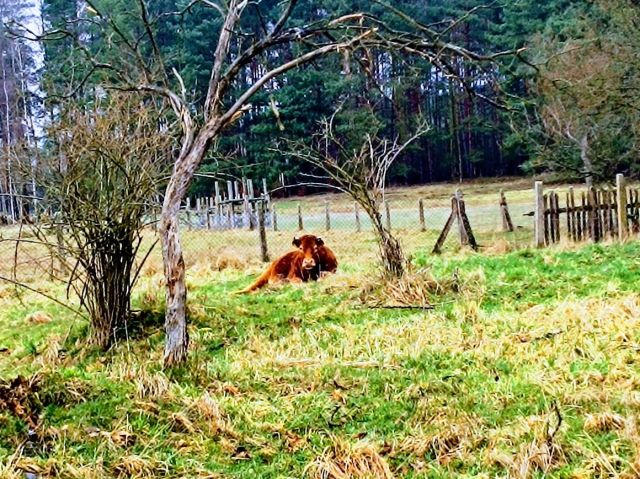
(311, 260)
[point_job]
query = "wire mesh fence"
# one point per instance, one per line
(416, 216)
(219, 235)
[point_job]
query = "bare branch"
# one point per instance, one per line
(231, 19)
(296, 62)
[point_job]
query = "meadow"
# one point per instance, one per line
(512, 362)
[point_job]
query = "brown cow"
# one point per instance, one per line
(310, 261)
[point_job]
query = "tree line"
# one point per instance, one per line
(572, 106)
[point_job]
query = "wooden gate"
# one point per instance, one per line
(593, 215)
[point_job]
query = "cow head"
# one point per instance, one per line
(308, 245)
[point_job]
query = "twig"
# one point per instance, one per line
(399, 306)
(57, 301)
(551, 433)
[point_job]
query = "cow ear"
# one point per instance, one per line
(296, 242)
(319, 241)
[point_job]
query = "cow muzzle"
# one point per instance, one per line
(308, 263)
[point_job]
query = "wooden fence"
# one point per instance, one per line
(595, 214)
(238, 207)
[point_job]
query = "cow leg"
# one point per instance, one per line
(276, 279)
(294, 276)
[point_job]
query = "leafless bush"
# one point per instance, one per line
(360, 172)
(103, 168)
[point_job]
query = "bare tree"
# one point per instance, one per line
(587, 93)
(361, 172)
(139, 65)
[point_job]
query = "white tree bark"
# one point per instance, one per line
(8, 137)
(177, 336)
(586, 160)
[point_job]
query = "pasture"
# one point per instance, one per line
(526, 366)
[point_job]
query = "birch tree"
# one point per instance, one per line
(17, 105)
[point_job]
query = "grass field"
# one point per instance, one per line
(527, 366)
(313, 381)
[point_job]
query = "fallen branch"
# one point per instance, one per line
(398, 306)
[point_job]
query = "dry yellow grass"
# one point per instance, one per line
(604, 422)
(344, 460)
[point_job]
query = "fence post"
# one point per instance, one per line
(231, 216)
(421, 215)
(605, 203)
(585, 216)
(547, 219)
(599, 214)
(357, 213)
(555, 217)
(539, 215)
(613, 216)
(219, 222)
(62, 265)
(462, 214)
(300, 223)
(188, 211)
(246, 213)
(263, 233)
(571, 214)
(250, 192)
(274, 218)
(464, 238)
(634, 210)
(445, 231)
(199, 212)
(569, 222)
(551, 218)
(327, 216)
(387, 215)
(507, 224)
(621, 197)
(156, 214)
(593, 223)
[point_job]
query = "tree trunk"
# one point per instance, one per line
(177, 336)
(391, 254)
(454, 141)
(8, 137)
(586, 161)
(110, 289)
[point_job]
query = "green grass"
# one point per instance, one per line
(526, 278)
(284, 382)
